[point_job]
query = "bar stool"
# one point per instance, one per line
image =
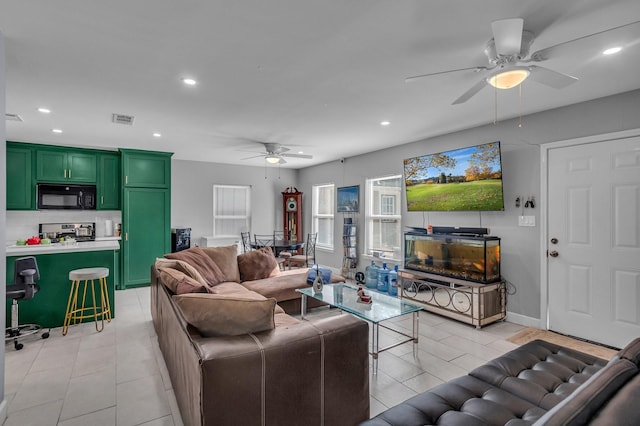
(76, 313)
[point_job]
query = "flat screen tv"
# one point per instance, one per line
(464, 179)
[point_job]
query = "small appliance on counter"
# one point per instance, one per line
(80, 231)
(180, 239)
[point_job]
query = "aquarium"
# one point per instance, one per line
(473, 258)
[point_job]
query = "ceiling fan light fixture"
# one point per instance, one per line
(273, 159)
(509, 78)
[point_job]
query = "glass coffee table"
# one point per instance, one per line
(383, 307)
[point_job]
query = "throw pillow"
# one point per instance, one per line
(180, 266)
(258, 264)
(226, 315)
(227, 260)
(196, 257)
(180, 283)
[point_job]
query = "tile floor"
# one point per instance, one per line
(118, 376)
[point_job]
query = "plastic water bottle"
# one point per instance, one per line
(371, 275)
(383, 278)
(393, 281)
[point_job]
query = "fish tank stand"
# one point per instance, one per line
(466, 301)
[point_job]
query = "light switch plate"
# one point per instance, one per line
(526, 221)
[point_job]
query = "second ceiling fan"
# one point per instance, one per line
(508, 56)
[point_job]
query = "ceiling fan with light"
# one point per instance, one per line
(508, 55)
(275, 153)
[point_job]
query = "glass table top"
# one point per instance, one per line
(345, 296)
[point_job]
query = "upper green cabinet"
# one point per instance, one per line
(109, 182)
(20, 183)
(65, 166)
(146, 169)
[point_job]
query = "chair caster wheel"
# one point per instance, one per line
(18, 346)
(45, 335)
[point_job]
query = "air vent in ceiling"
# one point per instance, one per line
(12, 117)
(122, 119)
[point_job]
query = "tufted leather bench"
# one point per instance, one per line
(538, 383)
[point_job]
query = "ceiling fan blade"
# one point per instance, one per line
(617, 36)
(415, 77)
(507, 35)
(307, 156)
(471, 92)
(281, 149)
(550, 78)
(253, 156)
(282, 161)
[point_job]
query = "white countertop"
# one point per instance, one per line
(55, 248)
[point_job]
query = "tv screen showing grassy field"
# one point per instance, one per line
(463, 179)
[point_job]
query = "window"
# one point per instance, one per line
(383, 234)
(231, 210)
(322, 206)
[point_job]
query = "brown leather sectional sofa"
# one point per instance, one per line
(537, 384)
(297, 373)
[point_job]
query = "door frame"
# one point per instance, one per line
(544, 206)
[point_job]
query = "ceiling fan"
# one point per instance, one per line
(275, 153)
(507, 53)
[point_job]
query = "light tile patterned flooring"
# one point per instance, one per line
(118, 376)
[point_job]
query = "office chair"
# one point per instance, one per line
(24, 287)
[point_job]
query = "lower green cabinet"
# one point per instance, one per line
(146, 232)
(48, 306)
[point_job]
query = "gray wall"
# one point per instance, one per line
(192, 194)
(521, 246)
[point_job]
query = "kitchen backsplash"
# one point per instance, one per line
(23, 224)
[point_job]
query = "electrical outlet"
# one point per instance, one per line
(526, 221)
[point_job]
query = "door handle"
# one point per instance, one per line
(553, 253)
(69, 173)
(126, 236)
(102, 199)
(65, 173)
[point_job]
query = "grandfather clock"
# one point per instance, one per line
(292, 211)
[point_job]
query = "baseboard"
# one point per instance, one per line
(524, 320)
(3, 411)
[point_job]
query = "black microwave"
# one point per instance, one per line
(66, 197)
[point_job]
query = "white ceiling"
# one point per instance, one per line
(315, 75)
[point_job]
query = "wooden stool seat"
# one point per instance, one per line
(76, 313)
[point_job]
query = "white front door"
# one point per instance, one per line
(594, 240)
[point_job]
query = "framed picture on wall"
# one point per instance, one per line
(348, 199)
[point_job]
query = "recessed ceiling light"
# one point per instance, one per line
(385, 123)
(300, 152)
(612, 50)
(189, 81)
(44, 110)
(157, 135)
(56, 130)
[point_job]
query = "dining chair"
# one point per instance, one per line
(282, 256)
(263, 240)
(308, 258)
(246, 241)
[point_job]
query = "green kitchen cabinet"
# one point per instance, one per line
(108, 187)
(146, 232)
(66, 166)
(146, 169)
(48, 306)
(20, 184)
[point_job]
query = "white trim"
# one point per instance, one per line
(544, 205)
(524, 320)
(3, 411)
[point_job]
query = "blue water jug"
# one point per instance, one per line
(393, 281)
(383, 278)
(371, 275)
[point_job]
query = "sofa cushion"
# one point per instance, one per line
(180, 283)
(283, 286)
(227, 260)
(227, 315)
(197, 258)
(258, 264)
(180, 266)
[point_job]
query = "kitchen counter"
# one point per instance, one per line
(55, 248)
